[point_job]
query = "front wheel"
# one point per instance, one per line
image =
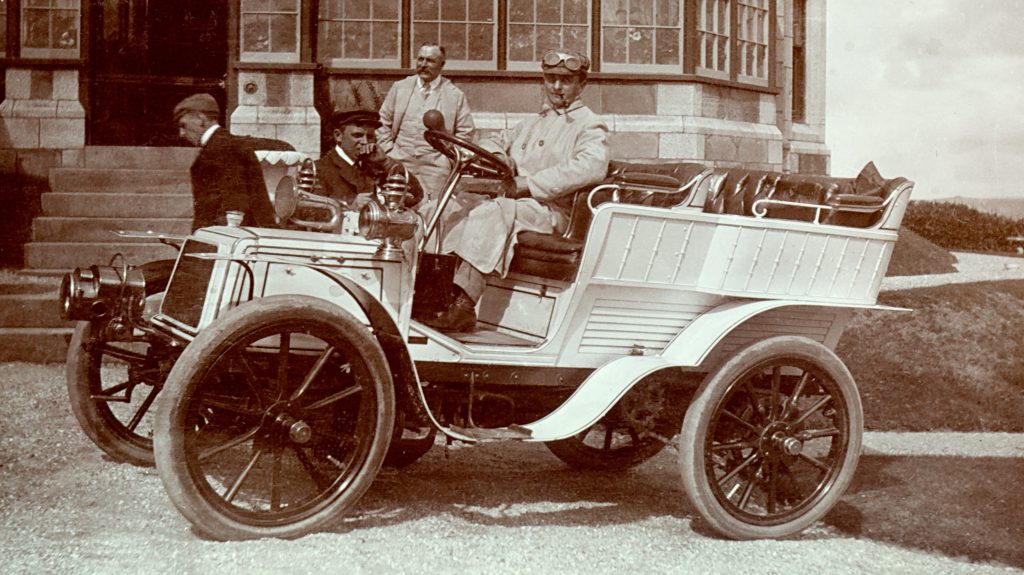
(275, 420)
(112, 385)
(772, 439)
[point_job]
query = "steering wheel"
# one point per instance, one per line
(482, 162)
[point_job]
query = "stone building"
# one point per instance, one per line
(726, 82)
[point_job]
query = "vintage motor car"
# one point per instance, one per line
(683, 305)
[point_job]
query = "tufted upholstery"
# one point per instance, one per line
(856, 202)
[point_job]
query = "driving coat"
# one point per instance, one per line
(558, 152)
(401, 131)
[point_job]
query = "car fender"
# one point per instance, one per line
(599, 393)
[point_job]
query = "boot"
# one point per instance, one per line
(460, 317)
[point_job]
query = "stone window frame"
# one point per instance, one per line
(734, 40)
(645, 19)
(66, 45)
(274, 14)
(454, 24)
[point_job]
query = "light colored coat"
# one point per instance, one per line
(559, 153)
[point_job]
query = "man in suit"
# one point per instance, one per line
(401, 114)
(350, 172)
(226, 176)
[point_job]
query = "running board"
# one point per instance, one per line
(482, 434)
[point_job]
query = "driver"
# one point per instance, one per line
(553, 154)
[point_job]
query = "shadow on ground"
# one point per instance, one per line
(971, 508)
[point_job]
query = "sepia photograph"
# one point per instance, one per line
(511, 286)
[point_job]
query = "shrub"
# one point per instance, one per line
(960, 227)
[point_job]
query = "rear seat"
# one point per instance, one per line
(854, 202)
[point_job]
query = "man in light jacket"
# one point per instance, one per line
(401, 116)
(560, 150)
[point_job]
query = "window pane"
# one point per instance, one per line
(613, 47)
(454, 10)
(548, 37)
(330, 40)
(255, 33)
(575, 12)
(576, 38)
(481, 11)
(667, 13)
(255, 5)
(667, 46)
(385, 9)
(285, 6)
(385, 41)
(356, 41)
(481, 42)
(520, 11)
(426, 10)
(425, 34)
(520, 43)
(641, 47)
(37, 29)
(549, 11)
(453, 38)
(357, 9)
(283, 37)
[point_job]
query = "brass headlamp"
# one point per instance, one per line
(389, 219)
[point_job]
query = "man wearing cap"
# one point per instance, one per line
(401, 114)
(555, 153)
(350, 171)
(226, 175)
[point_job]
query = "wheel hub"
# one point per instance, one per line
(779, 438)
(280, 421)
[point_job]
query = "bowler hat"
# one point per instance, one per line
(203, 103)
(354, 115)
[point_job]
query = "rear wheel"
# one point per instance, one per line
(772, 439)
(637, 428)
(111, 387)
(275, 420)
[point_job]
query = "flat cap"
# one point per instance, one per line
(354, 115)
(204, 103)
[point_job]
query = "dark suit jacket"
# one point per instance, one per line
(343, 181)
(226, 176)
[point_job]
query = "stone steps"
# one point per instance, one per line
(69, 255)
(113, 188)
(101, 229)
(115, 180)
(124, 158)
(116, 205)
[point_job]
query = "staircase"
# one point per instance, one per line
(116, 189)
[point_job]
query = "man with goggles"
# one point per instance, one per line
(560, 150)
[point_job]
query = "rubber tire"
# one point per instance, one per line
(578, 455)
(99, 425)
(699, 415)
(169, 437)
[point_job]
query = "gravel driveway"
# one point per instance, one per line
(499, 508)
(971, 267)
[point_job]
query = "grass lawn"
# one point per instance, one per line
(954, 363)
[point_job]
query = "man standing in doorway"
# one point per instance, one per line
(401, 115)
(226, 176)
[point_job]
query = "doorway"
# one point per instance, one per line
(145, 56)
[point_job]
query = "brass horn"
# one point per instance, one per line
(292, 195)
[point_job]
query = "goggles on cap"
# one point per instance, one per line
(572, 62)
